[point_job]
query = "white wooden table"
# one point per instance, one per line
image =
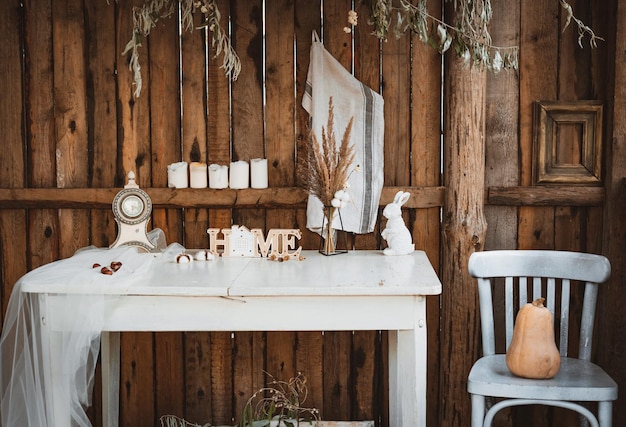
(360, 290)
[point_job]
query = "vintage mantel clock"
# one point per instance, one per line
(132, 208)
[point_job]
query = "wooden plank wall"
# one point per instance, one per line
(73, 123)
(72, 127)
(552, 67)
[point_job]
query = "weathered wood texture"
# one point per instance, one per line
(464, 231)
(72, 129)
(611, 326)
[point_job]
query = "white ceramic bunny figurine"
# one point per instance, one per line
(397, 235)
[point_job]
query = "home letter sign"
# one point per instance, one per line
(239, 241)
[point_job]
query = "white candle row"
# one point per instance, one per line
(242, 175)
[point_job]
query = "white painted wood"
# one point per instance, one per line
(360, 290)
(578, 380)
(110, 350)
(51, 341)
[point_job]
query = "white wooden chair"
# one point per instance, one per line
(548, 274)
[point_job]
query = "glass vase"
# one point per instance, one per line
(330, 243)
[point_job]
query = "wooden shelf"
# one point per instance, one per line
(546, 196)
(285, 197)
(280, 197)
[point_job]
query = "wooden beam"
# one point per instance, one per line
(101, 198)
(545, 196)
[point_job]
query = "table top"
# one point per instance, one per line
(353, 273)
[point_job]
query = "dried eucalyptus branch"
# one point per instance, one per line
(469, 35)
(582, 28)
(146, 17)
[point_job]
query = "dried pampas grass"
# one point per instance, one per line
(328, 165)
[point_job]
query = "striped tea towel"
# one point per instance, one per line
(351, 98)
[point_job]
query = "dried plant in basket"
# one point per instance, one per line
(280, 402)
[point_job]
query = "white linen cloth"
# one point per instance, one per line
(351, 98)
(25, 396)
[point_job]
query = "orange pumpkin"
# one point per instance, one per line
(533, 352)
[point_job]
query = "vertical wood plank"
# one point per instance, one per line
(70, 114)
(137, 407)
(248, 142)
(133, 125)
(163, 93)
(219, 121)
(133, 128)
(197, 345)
(365, 372)
(194, 123)
(502, 140)
(502, 143)
(280, 151)
(464, 228)
(337, 399)
(367, 70)
(102, 141)
(248, 121)
(425, 119)
(13, 224)
(575, 83)
(366, 401)
(169, 374)
(538, 80)
(308, 345)
(248, 368)
(221, 379)
(337, 345)
(198, 365)
(40, 136)
(307, 19)
(396, 78)
(612, 319)
(101, 111)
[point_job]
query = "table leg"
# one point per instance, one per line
(56, 398)
(110, 358)
(407, 372)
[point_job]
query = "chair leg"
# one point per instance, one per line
(605, 414)
(478, 410)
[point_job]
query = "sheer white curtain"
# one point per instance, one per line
(26, 397)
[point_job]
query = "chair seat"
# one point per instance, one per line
(577, 380)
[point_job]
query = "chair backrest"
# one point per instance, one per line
(530, 274)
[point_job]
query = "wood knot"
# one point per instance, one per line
(64, 99)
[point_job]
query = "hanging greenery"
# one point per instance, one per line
(146, 17)
(469, 35)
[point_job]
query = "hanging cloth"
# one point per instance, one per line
(351, 98)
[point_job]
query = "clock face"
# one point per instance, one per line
(132, 206)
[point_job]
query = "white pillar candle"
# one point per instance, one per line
(218, 176)
(197, 175)
(258, 173)
(239, 174)
(177, 175)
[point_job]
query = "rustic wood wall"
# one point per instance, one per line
(72, 130)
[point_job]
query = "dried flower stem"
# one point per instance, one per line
(279, 400)
(328, 165)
